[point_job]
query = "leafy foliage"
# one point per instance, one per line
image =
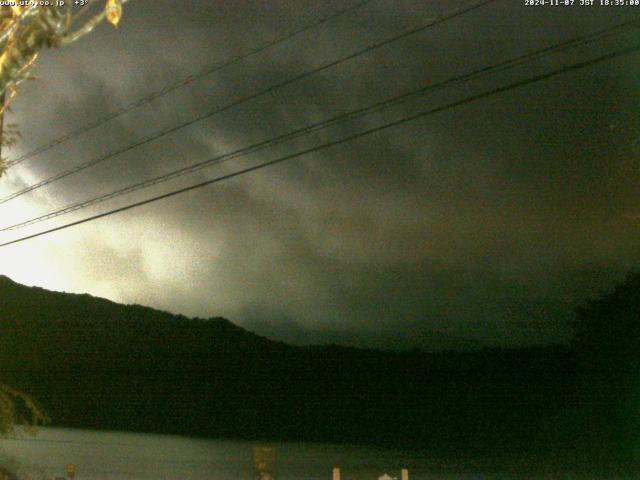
(26, 30)
(18, 408)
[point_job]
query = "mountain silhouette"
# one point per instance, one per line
(93, 363)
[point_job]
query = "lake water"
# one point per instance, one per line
(127, 456)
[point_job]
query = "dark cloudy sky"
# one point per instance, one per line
(482, 225)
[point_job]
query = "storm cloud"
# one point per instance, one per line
(486, 224)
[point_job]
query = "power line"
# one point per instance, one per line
(185, 81)
(485, 71)
(495, 91)
(442, 18)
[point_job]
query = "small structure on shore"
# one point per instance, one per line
(264, 463)
(404, 473)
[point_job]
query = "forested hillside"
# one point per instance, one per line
(96, 364)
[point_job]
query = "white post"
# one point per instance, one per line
(405, 474)
(336, 473)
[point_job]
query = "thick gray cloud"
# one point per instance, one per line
(482, 225)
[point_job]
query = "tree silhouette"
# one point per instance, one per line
(607, 344)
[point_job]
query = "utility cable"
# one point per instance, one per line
(488, 93)
(210, 69)
(482, 72)
(145, 140)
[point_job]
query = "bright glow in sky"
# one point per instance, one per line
(487, 223)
